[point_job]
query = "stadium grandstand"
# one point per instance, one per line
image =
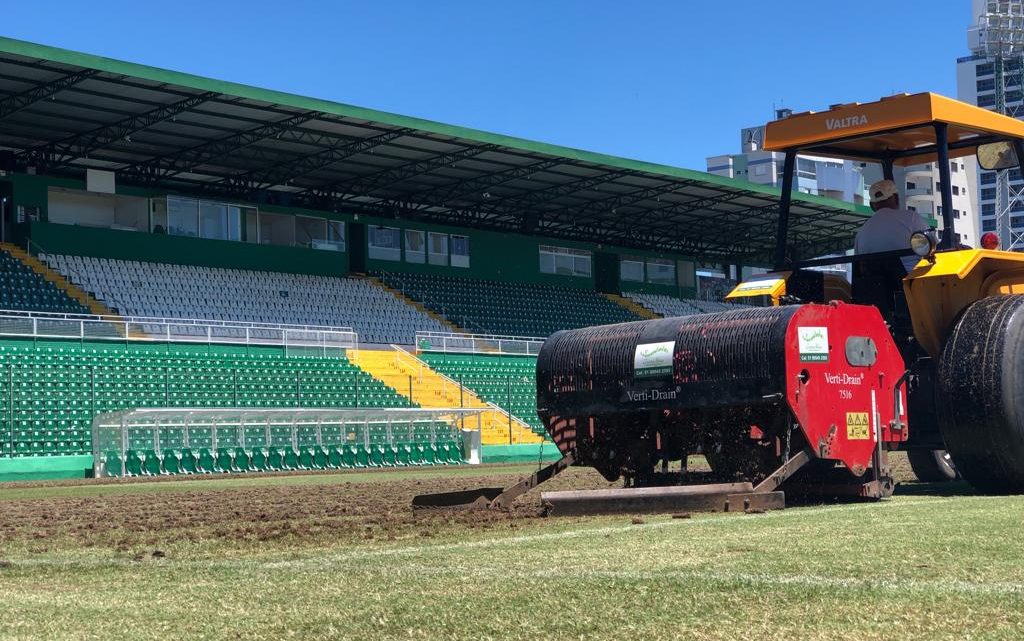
(186, 257)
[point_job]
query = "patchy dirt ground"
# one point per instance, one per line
(340, 510)
(325, 506)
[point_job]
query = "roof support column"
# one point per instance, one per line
(782, 232)
(942, 142)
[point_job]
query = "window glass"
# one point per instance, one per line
(438, 248)
(277, 229)
(415, 246)
(252, 225)
(182, 216)
(336, 235)
(385, 243)
(310, 232)
(661, 272)
(631, 269)
(565, 261)
(234, 222)
(460, 251)
(158, 216)
(213, 220)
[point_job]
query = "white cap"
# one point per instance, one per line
(882, 190)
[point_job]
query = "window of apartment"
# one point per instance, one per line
(277, 229)
(956, 213)
(438, 248)
(988, 84)
(415, 246)
(988, 224)
(385, 243)
(986, 69)
(938, 210)
(565, 261)
(911, 185)
(988, 209)
(631, 268)
(986, 100)
(989, 193)
(1017, 221)
(460, 251)
(661, 271)
(910, 208)
(988, 178)
(953, 166)
(956, 190)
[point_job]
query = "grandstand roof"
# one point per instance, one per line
(63, 111)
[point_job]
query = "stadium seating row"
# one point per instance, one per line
(667, 306)
(506, 381)
(53, 391)
(136, 288)
(22, 289)
(518, 309)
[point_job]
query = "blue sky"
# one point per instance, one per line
(665, 81)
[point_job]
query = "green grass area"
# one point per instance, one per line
(918, 566)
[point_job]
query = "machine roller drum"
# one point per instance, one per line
(981, 394)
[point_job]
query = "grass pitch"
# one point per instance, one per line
(340, 556)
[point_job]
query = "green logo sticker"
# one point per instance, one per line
(813, 344)
(652, 360)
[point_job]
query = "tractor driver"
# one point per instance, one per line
(890, 227)
(879, 282)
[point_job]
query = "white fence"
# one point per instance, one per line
(478, 343)
(296, 339)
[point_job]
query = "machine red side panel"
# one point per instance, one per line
(841, 394)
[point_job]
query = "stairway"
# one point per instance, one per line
(414, 379)
(631, 305)
(62, 283)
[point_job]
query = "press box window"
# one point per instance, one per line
(565, 261)
(631, 269)
(460, 251)
(415, 246)
(661, 272)
(385, 243)
(438, 248)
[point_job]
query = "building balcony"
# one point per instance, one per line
(919, 192)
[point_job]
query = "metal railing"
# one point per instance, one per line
(36, 325)
(478, 343)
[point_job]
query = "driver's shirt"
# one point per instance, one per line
(887, 230)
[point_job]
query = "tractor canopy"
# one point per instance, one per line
(898, 128)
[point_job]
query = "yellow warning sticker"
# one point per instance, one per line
(857, 426)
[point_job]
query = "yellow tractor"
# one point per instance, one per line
(958, 316)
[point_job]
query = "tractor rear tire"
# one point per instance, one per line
(932, 466)
(981, 395)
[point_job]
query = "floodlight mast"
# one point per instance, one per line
(999, 36)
